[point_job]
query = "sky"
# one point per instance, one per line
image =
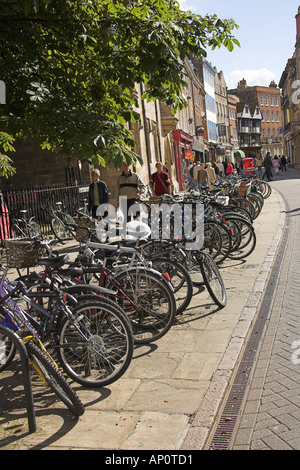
(267, 34)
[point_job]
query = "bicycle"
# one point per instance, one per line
(60, 222)
(145, 295)
(200, 265)
(93, 340)
(25, 227)
(14, 318)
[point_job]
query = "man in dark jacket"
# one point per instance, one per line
(268, 166)
(98, 193)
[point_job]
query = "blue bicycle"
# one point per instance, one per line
(14, 318)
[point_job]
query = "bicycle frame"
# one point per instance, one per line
(36, 329)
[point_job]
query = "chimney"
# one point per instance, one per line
(298, 25)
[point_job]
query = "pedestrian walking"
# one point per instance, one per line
(129, 188)
(190, 174)
(259, 161)
(202, 176)
(240, 167)
(268, 166)
(196, 170)
(276, 164)
(211, 175)
(229, 170)
(216, 168)
(221, 168)
(98, 193)
(160, 181)
(283, 163)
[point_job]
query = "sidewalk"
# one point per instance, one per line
(169, 396)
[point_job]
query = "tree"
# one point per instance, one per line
(70, 68)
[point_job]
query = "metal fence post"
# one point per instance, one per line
(26, 376)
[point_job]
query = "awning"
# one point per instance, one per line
(240, 153)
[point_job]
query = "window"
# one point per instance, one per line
(267, 101)
(273, 116)
(276, 101)
(268, 116)
(277, 116)
(262, 101)
(272, 101)
(263, 116)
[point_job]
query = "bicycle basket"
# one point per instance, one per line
(21, 253)
(244, 188)
(82, 236)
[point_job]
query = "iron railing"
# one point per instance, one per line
(34, 199)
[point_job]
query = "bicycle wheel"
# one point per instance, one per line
(54, 379)
(148, 301)
(58, 228)
(247, 239)
(180, 280)
(212, 238)
(97, 348)
(68, 219)
(7, 349)
(34, 230)
(213, 279)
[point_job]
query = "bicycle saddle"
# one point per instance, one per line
(54, 261)
(102, 253)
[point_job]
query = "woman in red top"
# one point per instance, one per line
(160, 182)
(229, 170)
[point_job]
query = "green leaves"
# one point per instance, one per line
(70, 68)
(6, 168)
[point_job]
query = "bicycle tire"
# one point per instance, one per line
(246, 204)
(213, 279)
(68, 219)
(212, 238)
(152, 308)
(58, 228)
(246, 245)
(110, 346)
(256, 204)
(8, 350)
(55, 380)
(34, 230)
(180, 280)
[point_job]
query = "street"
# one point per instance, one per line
(272, 411)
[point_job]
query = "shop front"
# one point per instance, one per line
(183, 154)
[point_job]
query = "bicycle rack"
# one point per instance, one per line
(26, 376)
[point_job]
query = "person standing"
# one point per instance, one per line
(221, 168)
(211, 175)
(276, 164)
(259, 161)
(160, 181)
(196, 170)
(268, 166)
(190, 174)
(98, 193)
(129, 188)
(229, 170)
(283, 163)
(202, 181)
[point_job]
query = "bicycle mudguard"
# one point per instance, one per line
(88, 289)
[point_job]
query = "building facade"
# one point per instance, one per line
(225, 146)
(268, 99)
(232, 111)
(289, 83)
(249, 130)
